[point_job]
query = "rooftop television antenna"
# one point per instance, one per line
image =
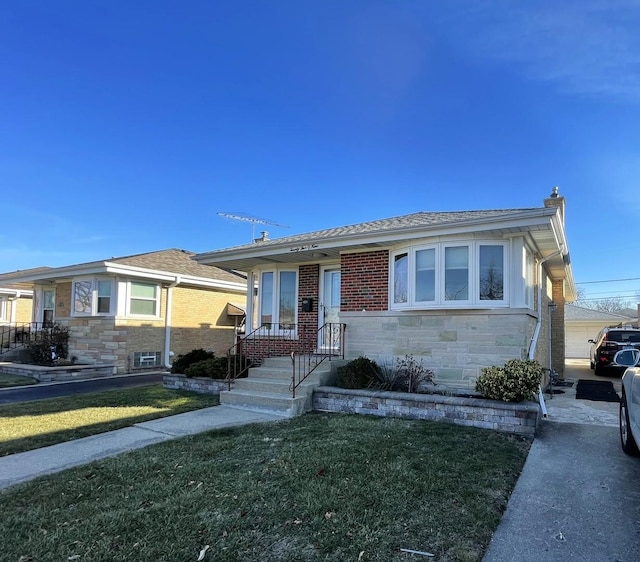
(252, 220)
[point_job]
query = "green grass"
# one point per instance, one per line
(324, 487)
(30, 425)
(7, 381)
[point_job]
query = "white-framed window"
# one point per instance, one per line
(3, 309)
(446, 275)
(143, 299)
(90, 297)
(278, 298)
(48, 306)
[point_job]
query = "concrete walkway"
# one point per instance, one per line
(22, 467)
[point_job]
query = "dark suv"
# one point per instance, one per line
(609, 341)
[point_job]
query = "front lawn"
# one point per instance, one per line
(30, 425)
(327, 487)
(8, 381)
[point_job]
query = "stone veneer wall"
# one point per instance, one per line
(455, 345)
(521, 419)
(196, 384)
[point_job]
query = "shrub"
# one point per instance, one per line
(516, 381)
(215, 368)
(48, 345)
(359, 373)
(405, 374)
(182, 362)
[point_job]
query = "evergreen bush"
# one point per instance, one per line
(182, 362)
(516, 381)
(359, 373)
(214, 368)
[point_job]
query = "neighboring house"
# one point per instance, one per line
(583, 324)
(460, 290)
(137, 311)
(15, 305)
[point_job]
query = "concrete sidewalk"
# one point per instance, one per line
(22, 467)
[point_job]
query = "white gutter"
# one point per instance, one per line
(536, 332)
(167, 321)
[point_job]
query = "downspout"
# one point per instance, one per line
(167, 322)
(536, 332)
(14, 305)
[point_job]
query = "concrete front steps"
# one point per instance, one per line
(268, 387)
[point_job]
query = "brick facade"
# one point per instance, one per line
(365, 281)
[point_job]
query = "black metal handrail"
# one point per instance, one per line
(328, 344)
(17, 335)
(268, 340)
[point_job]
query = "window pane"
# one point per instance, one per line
(143, 290)
(104, 297)
(456, 273)
(426, 275)
(104, 288)
(48, 299)
(400, 278)
(287, 304)
(146, 307)
(82, 297)
(266, 298)
(491, 273)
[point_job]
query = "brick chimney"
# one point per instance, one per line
(555, 200)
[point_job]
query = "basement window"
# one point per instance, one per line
(145, 359)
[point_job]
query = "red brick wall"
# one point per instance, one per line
(307, 325)
(308, 287)
(365, 281)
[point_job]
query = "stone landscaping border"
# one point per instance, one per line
(202, 385)
(58, 374)
(517, 418)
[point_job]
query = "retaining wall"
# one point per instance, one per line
(521, 418)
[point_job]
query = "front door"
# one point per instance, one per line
(329, 310)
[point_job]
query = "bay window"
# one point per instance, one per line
(449, 275)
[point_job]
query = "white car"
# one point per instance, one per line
(630, 401)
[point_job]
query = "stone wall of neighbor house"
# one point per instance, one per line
(455, 345)
(199, 320)
(95, 340)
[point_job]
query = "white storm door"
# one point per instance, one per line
(329, 310)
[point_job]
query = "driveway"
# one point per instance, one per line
(42, 391)
(578, 497)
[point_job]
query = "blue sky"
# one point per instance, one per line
(126, 127)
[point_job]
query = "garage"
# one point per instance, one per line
(583, 324)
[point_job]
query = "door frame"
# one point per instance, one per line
(321, 287)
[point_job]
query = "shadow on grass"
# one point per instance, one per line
(18, 418)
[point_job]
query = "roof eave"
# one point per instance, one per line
(255, 255)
